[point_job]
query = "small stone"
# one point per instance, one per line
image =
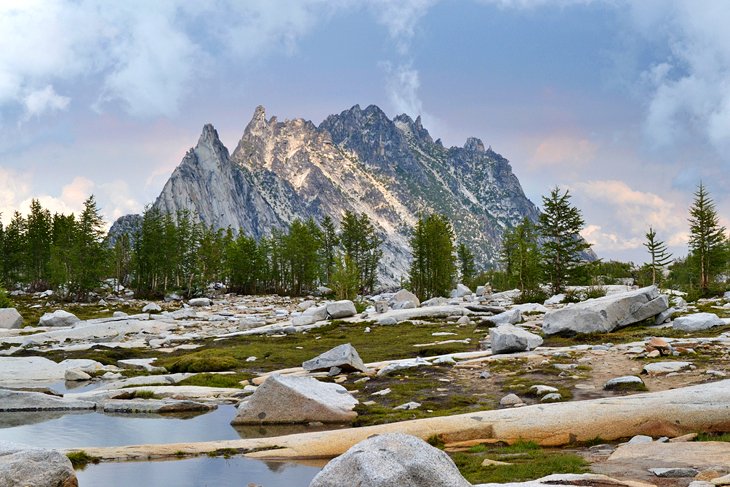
(485, 375)
(73, 375)
(408, 406)
(674, 472)
(552, 397)
(541, 390)
(151, 308)
(510, 400)
(199, 302)
(383, 392)
(493, 463)
(251, 359)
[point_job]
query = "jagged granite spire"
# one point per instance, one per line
(358, 160)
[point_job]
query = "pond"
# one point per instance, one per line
(51, 429)
(198, 472)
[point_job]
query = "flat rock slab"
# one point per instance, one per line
(586, 479)
(15, 370)
(36, 401)
(27, 466)
(99, 331)
(637, 460)
(154, 406)
(660, 368)
(427, 312)
(290, 399)
(215, 394)
(607, 313)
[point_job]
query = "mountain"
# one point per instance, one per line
(358, 160)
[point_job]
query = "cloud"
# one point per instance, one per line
(402, 87)
(144, 56)
(45, 100)
(689, 92)
(625, 214)
(401, 17)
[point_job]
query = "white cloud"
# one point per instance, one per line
(144, 55)
(401, 17)
(618, 217)
(689, 93)
(45, 100)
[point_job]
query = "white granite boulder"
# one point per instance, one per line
(404, 299)
(10, 318)
(390, 460)
(22, 466)
(697, 322)
(341, 309)
(510, 317)
(343, 356)
(200, 302)
(606, 313)
(510, 339)
(58, 318)
(288, 399)
(151, 308)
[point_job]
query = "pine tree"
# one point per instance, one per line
(466, 262)
(90, 253)
(660, 257)
(521, 254)
(362, 246)
(345, 278)
(707, 241)
(14, 251)
(433, 268)
(38, 246)
(328, 248)
(560, 226)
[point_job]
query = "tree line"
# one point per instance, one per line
(550, 251)
(175, 253)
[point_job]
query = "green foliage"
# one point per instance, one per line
(362, 245)
(527, 462)
(345, 279)
(660, 258)
(203, 362)
(215, 380)
(560, 226)
(433, 268)
(467, 268)
(521, 257)
(144, 394)
(5, 301)
(80, 459)
(707, 242)
(531, 296)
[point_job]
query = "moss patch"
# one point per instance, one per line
(528, 462)
(80, 459)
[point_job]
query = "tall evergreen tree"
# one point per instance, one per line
(362, 246)
(560, 226)
(433, 268)
(38, 246)
(466, 262)
(14, 251)
(329, 242)
(658, 253)
(90, 253)
(707, 240)
(521, 255)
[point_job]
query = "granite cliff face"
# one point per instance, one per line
(358, 160)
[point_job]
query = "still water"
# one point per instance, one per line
(198, 472)
(77, 430)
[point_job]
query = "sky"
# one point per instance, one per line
(624, 103)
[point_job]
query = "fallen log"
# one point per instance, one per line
(704, 407)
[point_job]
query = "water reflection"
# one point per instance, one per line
(64, 429)
(198, 472)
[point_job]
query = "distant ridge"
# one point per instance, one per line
(358, 160)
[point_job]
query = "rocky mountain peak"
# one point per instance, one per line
(474, 144)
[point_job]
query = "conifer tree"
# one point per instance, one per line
(362, 245)
(521, 255)
(14, 251)
(660, 257)
(38, 246)
(345, 278)
(560, 226)
(328, 248)
(466, 262)
(707, 241)
(433, 268)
